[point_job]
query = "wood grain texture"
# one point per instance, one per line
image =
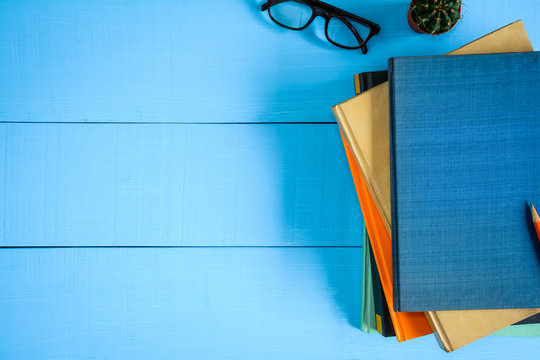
(176, 185)
(191, 61)
(201, 61)
(199, 303)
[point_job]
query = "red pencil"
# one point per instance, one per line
(536, 221)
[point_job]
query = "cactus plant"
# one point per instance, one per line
(435, 16)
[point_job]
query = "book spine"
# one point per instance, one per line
(438, 331)
(367, 80)
(362, 191)
(369, 322)
(363, 82)
(535, 319)
(388, 325)
(357, 86)
(384, 322)
(393, 201)
(406, 325)
(378, 296)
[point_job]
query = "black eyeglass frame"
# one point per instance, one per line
(327, 11)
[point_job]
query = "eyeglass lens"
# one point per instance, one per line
(341, 34)
(292, 14)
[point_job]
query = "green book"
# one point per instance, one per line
(529, 327)
(369, 323)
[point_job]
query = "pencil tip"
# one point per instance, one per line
(535, 216)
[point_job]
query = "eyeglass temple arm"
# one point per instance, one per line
(357, 35)
(338, 11)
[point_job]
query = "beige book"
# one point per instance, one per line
(364, 121)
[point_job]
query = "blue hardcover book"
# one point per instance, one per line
(464, 135)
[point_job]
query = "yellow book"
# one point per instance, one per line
(364, 121)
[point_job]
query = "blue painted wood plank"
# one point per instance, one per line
(191, 61)
(202, 61)
(199, 185)
(200, 303)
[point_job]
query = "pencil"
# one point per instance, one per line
(536, 221)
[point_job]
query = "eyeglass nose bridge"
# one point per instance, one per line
(321, 13)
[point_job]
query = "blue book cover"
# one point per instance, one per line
(464, 131)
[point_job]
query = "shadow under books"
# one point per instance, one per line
(341, 265)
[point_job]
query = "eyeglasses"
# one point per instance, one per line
(342, 28)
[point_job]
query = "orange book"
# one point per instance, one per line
(407, 325)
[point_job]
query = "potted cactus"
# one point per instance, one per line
(433, 16)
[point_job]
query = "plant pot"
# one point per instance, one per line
(417, 29)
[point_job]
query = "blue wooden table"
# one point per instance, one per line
(174, 184)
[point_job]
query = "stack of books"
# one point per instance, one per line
(443, 160)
